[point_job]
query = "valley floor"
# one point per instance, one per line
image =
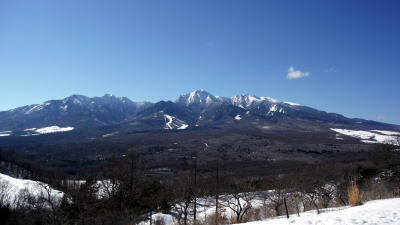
(379, 212)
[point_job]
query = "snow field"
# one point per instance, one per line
(378, 212)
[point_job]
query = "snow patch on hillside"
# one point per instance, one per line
(46, 130)
(292, 103)
(385, 132)
(5, 133)
(372, 136)
(53, 129)
(36, 108)
(110, 134)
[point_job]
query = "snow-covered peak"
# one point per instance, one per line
(198, 97)
(292, 103)
(111, 97)
(246, 101)
(108, 96)
(76, 100)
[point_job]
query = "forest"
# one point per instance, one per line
(125, 190)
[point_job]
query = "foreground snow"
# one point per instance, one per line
(11, 188)
(374, 212)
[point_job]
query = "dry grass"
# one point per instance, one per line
(354, 194)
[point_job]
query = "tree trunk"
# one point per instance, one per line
(185, 216)
(277, 210)
(316, 206)
(195, 193)
(151, 217)
(217, 196)
(287, 212)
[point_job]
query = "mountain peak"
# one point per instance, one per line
(245, 100)
(198, 97)
(109, 96)
(76, 100)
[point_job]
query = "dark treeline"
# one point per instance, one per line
(125, 190)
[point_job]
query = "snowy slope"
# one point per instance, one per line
(200, 99)
(11, 188)
(251, 101)
(372, 136)
(380, 212)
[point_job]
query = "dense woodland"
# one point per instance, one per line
(135, 189)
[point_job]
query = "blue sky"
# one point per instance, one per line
(344, 54)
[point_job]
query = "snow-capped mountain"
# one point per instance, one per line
(75, 111)
(200, 99)
(195, 109)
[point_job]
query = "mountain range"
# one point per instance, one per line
(196, 110)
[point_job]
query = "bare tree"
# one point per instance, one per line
(326, 194)
(312, 196)
(183, 195)
(240, 199)
(275, 195)
(5, 193)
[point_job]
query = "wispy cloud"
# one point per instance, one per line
(296, 74)
(330, 70)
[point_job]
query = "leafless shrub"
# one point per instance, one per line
(221, 219)
(254, 214)
(376, 189)
(159, 221)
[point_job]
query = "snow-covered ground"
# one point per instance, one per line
(372, 136)
(104, 188)
(5, 133)
(11, 189)
(379, 212)
(205, 209)
(53, 129)
(46, 130)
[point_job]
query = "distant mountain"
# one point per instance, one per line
(259, 133)
(190, 111)
(76, 111)
(200, 100)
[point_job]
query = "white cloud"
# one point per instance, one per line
(296, 74)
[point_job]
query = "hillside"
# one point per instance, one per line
(382, 212)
